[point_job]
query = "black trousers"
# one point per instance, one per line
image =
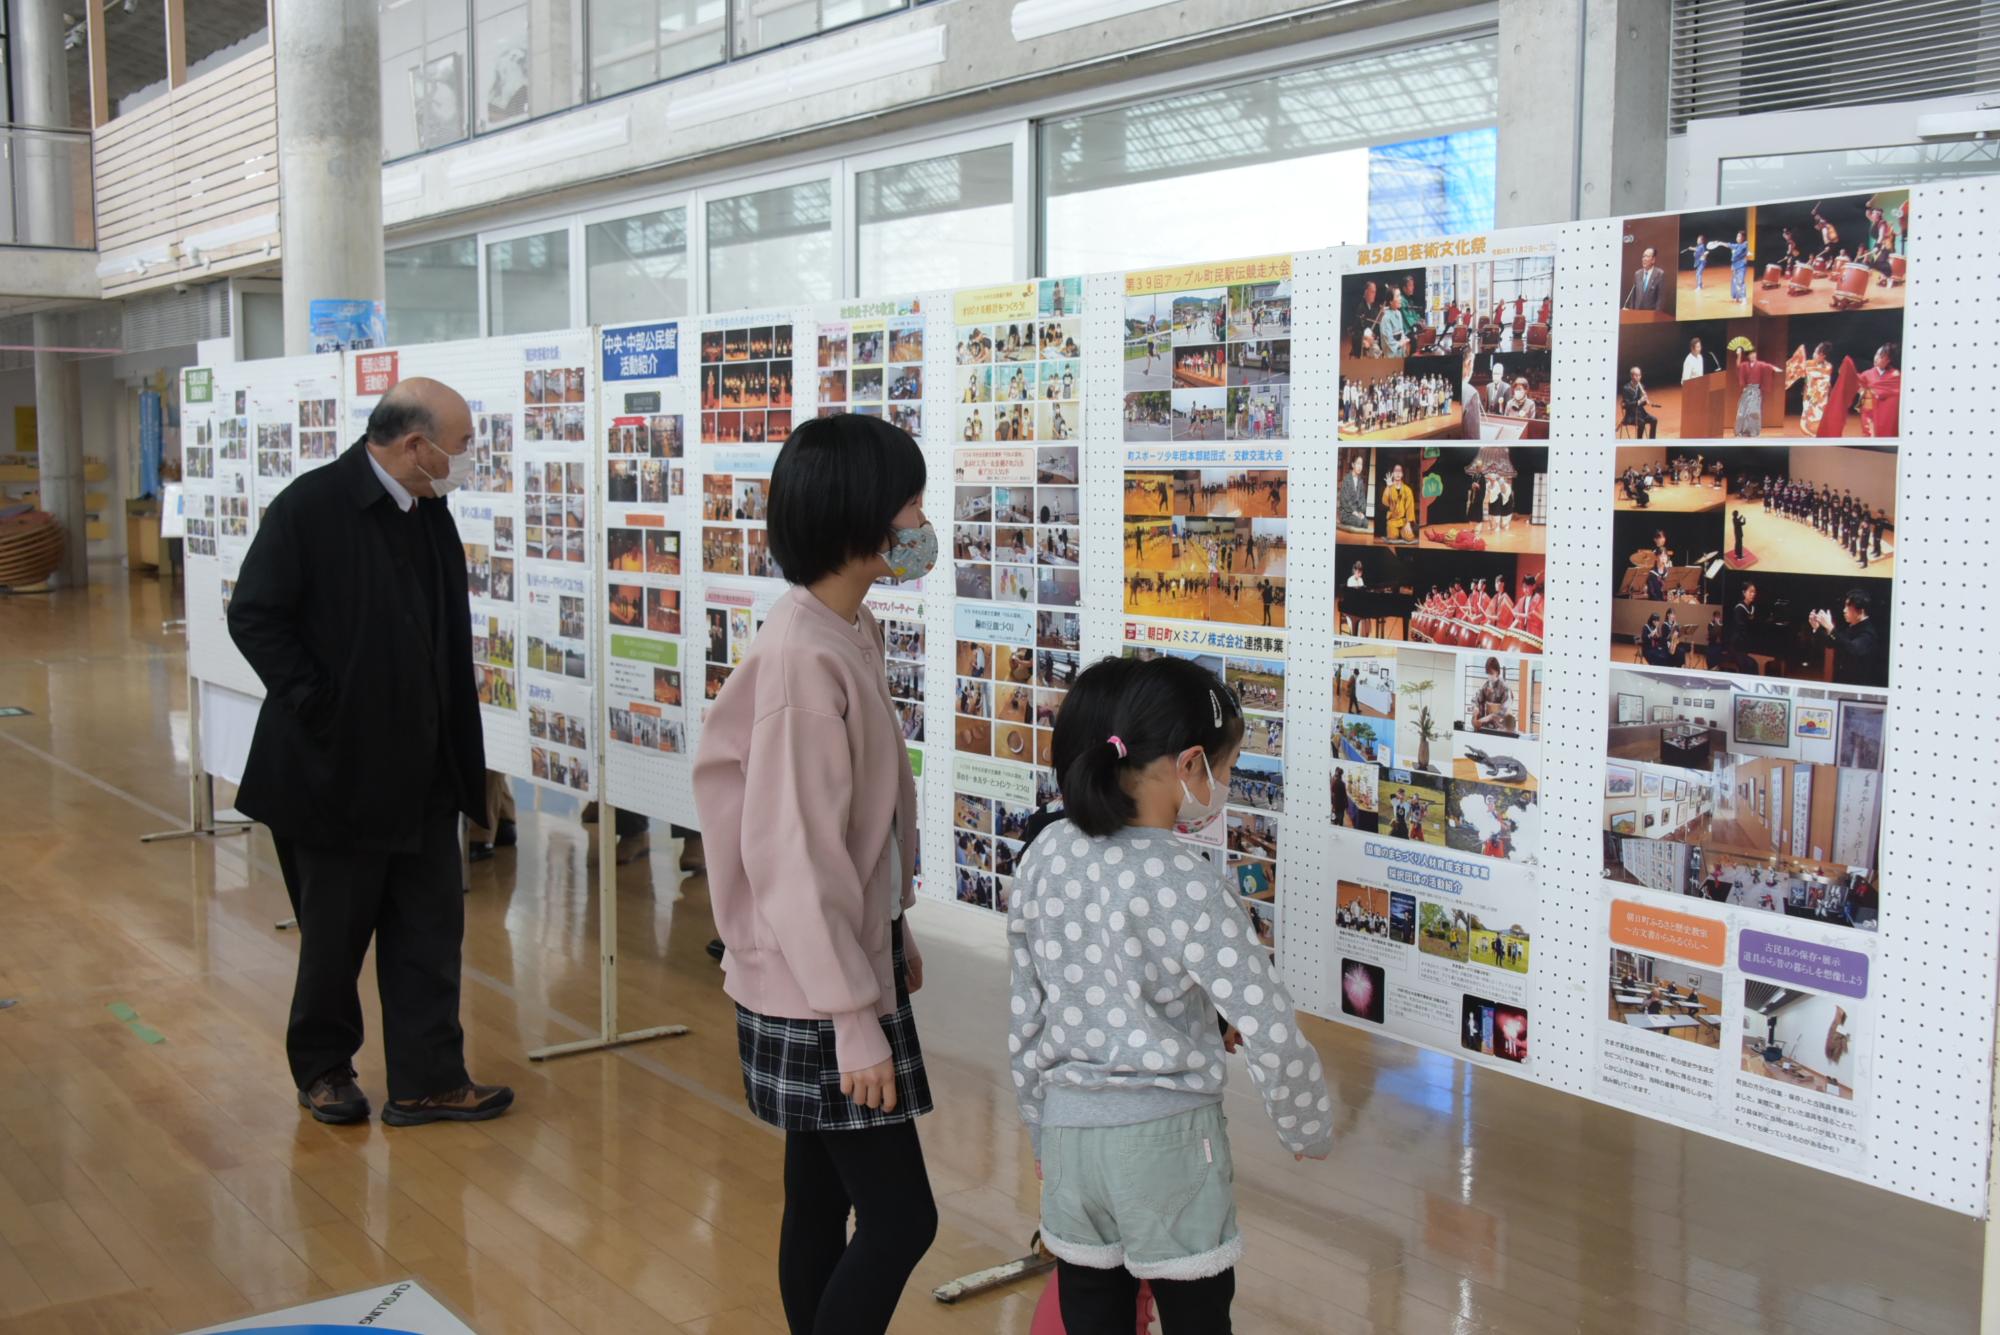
(413, 907)
(1106, 1302)
(832, 1285)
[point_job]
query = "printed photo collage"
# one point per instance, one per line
(553, 406)
(319, 427)
(647, 464)
(559, 746)
(493, 659)
(1418, 965)
(644, 590)
(875, 367)
(746, 414)
(1019, 358)
(274, 450)
(1445, 545)
(1758, 560)
(733, 616)
(1759, 795)
(492, 454)
(1209, 362)
(1448, 340)
(1248, 831)
(1013, 667)
(555, 519)
(197, 447)
(1766, 319)
(232, 433)
(1439, 748)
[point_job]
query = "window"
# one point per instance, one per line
(527, 284)
(433, 291)
(637, 267)
(637, 42)
(135, 54)
(219, 31)
(423, 75)
(1848, 171)
(1311, 158)
(771, 247)
(525, 59)
(263, 326)
(943, 222)
(767, 23)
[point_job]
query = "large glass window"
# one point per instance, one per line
(218, 31)
(772, 246)
(1289, 162)
(135, 54)
(527, 59)
(1852, 171)
(433, 291)
(765, 23)
(942, 222)
(423, 75)
(637, 42)
(637, 267)
(527, 284)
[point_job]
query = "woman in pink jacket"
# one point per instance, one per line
(806, 798)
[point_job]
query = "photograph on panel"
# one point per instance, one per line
(1665, 997)
(1769, 319)
(1765, 797)
(1210, 363)
(1801, 1039)
(1763, 560)
(1459, 348)
(1207, 544)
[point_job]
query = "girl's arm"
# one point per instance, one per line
(1208, 934)
(810, 898)
(1025, 1001)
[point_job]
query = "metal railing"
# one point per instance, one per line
(45, 188)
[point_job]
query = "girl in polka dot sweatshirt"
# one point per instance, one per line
(1126, 943)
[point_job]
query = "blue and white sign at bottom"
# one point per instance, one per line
(393, 1309)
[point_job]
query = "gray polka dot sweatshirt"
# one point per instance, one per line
(1125, 948)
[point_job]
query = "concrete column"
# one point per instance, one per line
(45, 165)
(59, 449)
(329, 156)
(1583, 108)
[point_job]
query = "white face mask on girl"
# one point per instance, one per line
(1194, 812)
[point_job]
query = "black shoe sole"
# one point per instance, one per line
(715, 951)
(393, 1116)
(336, 1114)
(479, 853)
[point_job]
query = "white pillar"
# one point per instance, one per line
(59, 449)
(45, 166)
(1583, 109)
(329, 156)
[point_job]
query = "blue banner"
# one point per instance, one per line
(343, 326)
(642, 352)
(152, 423)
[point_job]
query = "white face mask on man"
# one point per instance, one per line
(458, 469)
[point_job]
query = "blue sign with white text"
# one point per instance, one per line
(642, 352)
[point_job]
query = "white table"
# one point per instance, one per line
(1660, 1021)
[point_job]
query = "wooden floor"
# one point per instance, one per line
(161, 1186)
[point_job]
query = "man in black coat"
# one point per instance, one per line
(352, 608)
(1860, 651)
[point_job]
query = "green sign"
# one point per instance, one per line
(199, 386)
(666, 653)
(916, 762)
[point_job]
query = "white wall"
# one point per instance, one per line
(1801, 1031)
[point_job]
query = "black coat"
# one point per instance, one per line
(1860, 654)
(329, 612)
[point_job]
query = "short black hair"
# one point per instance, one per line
(1859, 600)
(397, 415)
(1154, 707)
(836, 489)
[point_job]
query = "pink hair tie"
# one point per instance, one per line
(1118, 744)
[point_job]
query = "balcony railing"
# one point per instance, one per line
(45, 188)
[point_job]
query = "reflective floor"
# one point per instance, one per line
(159, 1186)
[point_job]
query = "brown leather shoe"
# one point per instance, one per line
(693, 859)
(632, 847)
(471, 1103)
(335, 1099)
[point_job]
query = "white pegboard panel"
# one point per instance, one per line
(1306, 914)
(1103, 456)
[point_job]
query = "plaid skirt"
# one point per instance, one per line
(791, 1076)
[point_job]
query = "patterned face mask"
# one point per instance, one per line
(912, 555)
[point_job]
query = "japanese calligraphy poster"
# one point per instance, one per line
(746, 395)
(1016, 552)
(646, 513)
(1207, 504)
(870, 360)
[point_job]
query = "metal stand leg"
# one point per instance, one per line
(608, 1035)
(1989, 1279)
(202, 823)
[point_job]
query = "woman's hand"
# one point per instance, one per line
(913, 972)
(872, 1088)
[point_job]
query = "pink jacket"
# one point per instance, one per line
(800, 770)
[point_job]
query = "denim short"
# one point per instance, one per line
(1157, 1198)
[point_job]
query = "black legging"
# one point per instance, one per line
(831, 1285)
(1106, 1302)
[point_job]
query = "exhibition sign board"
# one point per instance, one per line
(1599, 694)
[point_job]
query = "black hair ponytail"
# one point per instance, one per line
(1124, 713)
